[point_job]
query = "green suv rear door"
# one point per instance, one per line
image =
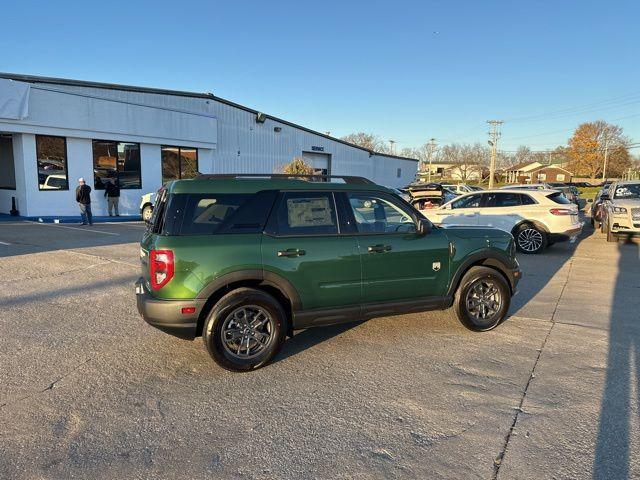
(304, 244)
(397, 262)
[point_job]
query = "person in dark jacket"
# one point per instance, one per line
(83, 197)
(112, 192)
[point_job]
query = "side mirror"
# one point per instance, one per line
(605, 196)
(424, 226)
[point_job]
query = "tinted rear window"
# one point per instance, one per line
(211, 213)
(559, 197)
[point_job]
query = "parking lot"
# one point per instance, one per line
(88, 389)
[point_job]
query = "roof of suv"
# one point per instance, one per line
(251, 184)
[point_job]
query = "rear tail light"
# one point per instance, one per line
(561, 211)
(161, 267)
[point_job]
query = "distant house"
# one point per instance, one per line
(536, 172)
(453, 171)
(550, 173)
(521, 172)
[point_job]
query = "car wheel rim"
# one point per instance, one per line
(484, 300)
(530, 240)
(247, 331)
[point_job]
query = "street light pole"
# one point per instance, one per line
(493, 135)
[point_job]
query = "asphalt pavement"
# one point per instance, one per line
(88, 390)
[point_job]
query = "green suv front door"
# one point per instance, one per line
(397, 262)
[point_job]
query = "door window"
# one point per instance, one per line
(380, 214)
(502, 200)
(469, 201)
(306, 213)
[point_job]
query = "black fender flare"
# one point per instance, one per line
(494, 259)
(262, 277)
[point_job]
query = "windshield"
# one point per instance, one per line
(627, 191)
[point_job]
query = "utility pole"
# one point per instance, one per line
(606, 154)
(494, 134)
(430, 151)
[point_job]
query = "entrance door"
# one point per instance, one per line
(7, 165)
(321, 162)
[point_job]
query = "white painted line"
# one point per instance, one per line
(5, 243)
(57, 225)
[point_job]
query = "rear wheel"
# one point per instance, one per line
(245, 330)
(482, 299)
(530, 239)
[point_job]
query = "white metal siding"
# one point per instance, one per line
(228, 139)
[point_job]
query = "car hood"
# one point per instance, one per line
(627, 202)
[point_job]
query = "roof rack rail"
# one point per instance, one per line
(322, 178)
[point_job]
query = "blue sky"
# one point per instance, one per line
(403, 70)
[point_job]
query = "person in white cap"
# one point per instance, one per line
(83, 197)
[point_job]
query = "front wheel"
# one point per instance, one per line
(530, 239)
(245, 330)
(482, 299)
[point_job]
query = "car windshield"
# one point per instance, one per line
(627, 191)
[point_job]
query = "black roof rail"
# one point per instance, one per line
(286, 176)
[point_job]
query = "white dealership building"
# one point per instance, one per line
(53, 131)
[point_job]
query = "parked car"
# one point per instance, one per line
(621, 210)
(528, 186)
(431, 196)
(536, 218)
(55, 182)
(245, 261)
(146, 205)
(460, 188)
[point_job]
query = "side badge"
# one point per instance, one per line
(436, 266)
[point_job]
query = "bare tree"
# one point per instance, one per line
(367, 140)
(468, 159)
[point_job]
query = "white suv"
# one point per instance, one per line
(621, 210)
(536, 218)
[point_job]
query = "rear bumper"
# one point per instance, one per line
(166, 315)
(566, 235)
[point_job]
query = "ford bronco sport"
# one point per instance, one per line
(245, 260)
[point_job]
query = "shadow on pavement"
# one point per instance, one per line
(613, 443)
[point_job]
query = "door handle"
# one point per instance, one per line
(379, 248)
(291, 252)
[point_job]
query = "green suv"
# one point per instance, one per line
(245, 260)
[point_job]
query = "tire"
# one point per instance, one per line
(147, 211)
(475, 280)
(226, 318)
(530, 239)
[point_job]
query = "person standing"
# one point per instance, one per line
(112, 192)
(83, 197)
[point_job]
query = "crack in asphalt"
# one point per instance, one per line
(497, 463)
(51, 385)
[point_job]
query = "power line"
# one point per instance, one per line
(580, 108)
